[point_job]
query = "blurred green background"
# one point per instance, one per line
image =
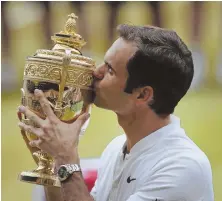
(27, 26)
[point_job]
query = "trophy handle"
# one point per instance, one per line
(66, 60)
(45, 163)
(25, 138)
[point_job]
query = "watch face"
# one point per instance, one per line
(63, 173)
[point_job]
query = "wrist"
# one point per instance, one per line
(69, 159)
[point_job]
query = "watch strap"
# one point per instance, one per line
(71, 168)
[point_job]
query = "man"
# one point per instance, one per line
(145, 73)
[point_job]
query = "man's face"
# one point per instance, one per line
(112, 76)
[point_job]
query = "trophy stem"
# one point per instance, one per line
(43, 174)
(44, 163)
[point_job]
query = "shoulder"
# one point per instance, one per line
(178, 176)
(178, 165)
(180, 151)
(188, 172)
(186, 160)
(181, 154)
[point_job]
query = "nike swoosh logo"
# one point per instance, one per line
(130, 179)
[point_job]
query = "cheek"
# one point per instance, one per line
(108, 82)
(122, 85)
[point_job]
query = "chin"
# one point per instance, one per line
(100, 104)
(96, 102)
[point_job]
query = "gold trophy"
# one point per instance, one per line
(65, 77)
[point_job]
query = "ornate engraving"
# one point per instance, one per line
(77, 76)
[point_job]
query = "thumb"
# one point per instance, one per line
(82, 119)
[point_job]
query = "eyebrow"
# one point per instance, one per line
(108, 64)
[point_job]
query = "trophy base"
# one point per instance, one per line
(40, 179)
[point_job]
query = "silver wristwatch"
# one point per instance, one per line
(65, 171)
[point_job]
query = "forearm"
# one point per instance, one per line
(74, 189)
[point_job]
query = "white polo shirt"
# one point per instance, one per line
(164, 166)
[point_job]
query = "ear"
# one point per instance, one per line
(144, 95)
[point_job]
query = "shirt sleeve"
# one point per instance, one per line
(38, 193)
(186, 181)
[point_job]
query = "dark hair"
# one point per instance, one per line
(162, 61)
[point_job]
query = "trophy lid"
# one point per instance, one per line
(69, 37)
(48, 65)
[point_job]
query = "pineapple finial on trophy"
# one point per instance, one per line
(69, 37)
(71, 24)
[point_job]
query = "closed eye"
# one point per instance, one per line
(109, 67)
(110, 70)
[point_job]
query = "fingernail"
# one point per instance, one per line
(21, 108)
(37, 91)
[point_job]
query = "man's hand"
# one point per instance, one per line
(60, 140)
(55, 137)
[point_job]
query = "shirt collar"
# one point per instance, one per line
(151, 139)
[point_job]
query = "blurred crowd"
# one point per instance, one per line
(28, 26)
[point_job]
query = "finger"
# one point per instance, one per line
(82, 119)
(35, 143)
(31, 115)
(30, 129)
(19, 114)
(45, 105)
(27, 141)
(25, 137)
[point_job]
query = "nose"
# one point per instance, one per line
(99, 72)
